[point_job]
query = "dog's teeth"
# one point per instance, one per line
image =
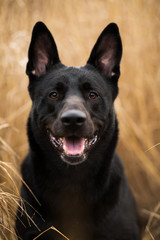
(92, 141)
(86, 142)
(60, 141)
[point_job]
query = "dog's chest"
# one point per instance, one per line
(71, 213)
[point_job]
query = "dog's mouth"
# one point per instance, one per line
(73, 149)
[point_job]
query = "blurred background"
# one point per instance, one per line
(75, 26)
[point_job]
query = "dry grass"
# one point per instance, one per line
(9, 201)
(75, 26)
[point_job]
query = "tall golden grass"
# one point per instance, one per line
(76, 26)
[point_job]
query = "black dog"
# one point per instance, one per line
(72, 167)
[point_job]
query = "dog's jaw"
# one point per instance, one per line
(73, 159)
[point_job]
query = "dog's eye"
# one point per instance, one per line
(53, 94)
(93, 95)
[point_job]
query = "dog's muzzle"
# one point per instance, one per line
(72, 148)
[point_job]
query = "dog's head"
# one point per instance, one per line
(73, 107)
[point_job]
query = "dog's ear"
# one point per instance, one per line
(107, 52)
(42, 52)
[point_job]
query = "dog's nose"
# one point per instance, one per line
(73, 118)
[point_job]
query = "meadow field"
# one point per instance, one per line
(75, 26)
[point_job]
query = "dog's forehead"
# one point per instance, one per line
(75, 76)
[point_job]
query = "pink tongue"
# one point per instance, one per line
(73, 145)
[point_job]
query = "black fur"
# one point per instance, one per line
(72, 167)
